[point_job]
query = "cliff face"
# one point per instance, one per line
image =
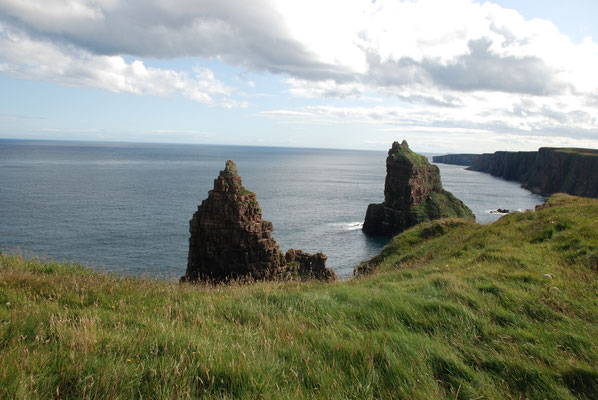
(506, 164)
(549, 170)
(455, 159)
(572, 171)
(412, 194)
(230, 240)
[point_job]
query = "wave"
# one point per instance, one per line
(347, 226)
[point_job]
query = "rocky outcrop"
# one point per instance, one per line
(413, 193)
(455, 159)
(230, 240)
(547, 171)
(305, 265)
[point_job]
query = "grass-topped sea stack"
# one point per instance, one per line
(230, 240)
(413, 193)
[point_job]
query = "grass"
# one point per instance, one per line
(406, 155)
(441, 205)
(449, 309)
(581, 152)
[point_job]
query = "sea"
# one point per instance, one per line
(125, 208)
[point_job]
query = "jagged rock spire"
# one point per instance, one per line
(230, 240)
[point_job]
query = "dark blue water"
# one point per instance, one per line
(484, 193)
(126, 207)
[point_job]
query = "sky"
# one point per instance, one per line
(445, 75)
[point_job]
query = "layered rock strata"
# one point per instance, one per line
(413, 193)
(230, 240)
(546, 171)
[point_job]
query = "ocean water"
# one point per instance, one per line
(126, 207)
(484, 193)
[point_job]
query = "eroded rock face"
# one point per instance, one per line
(308, 265)
(230, 240)
(413, 193)
(546, 171)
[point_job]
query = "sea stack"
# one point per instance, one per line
(230, 240)
(413, 193)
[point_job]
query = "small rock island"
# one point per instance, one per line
(413, 193)
(230, 240)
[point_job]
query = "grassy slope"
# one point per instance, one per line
(454, 309)
(442, 205)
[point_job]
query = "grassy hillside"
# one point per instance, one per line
(449, 309)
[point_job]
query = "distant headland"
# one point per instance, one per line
(549, 170)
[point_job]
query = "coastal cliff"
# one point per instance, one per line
(413, 193)
(547, 171)
(455, 159)
(230, 240)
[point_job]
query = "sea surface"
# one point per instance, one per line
(125, 208)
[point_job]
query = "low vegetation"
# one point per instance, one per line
(582, 152)
(450, 309)
(441, 205)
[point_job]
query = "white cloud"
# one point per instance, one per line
(32, 59)
(324, 88)
(453, 63)
(497, 114)
(388, 43)
(55, 15)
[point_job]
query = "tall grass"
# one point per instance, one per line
(450, 309)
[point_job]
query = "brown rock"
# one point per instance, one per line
(305, 265)
(230, 240)
(413, 193)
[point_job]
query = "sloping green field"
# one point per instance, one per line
(449, 309)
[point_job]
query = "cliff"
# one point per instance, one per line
(230, 240)
(413, 193)
(455, 159)
(549, 170)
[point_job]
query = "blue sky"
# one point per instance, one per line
(447, 75)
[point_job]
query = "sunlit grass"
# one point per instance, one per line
(451, 309)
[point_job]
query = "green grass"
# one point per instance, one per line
(449, 309)
(441, 205)
(408, 156)
(578, 151)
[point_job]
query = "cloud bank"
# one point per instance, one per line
(449, 63)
